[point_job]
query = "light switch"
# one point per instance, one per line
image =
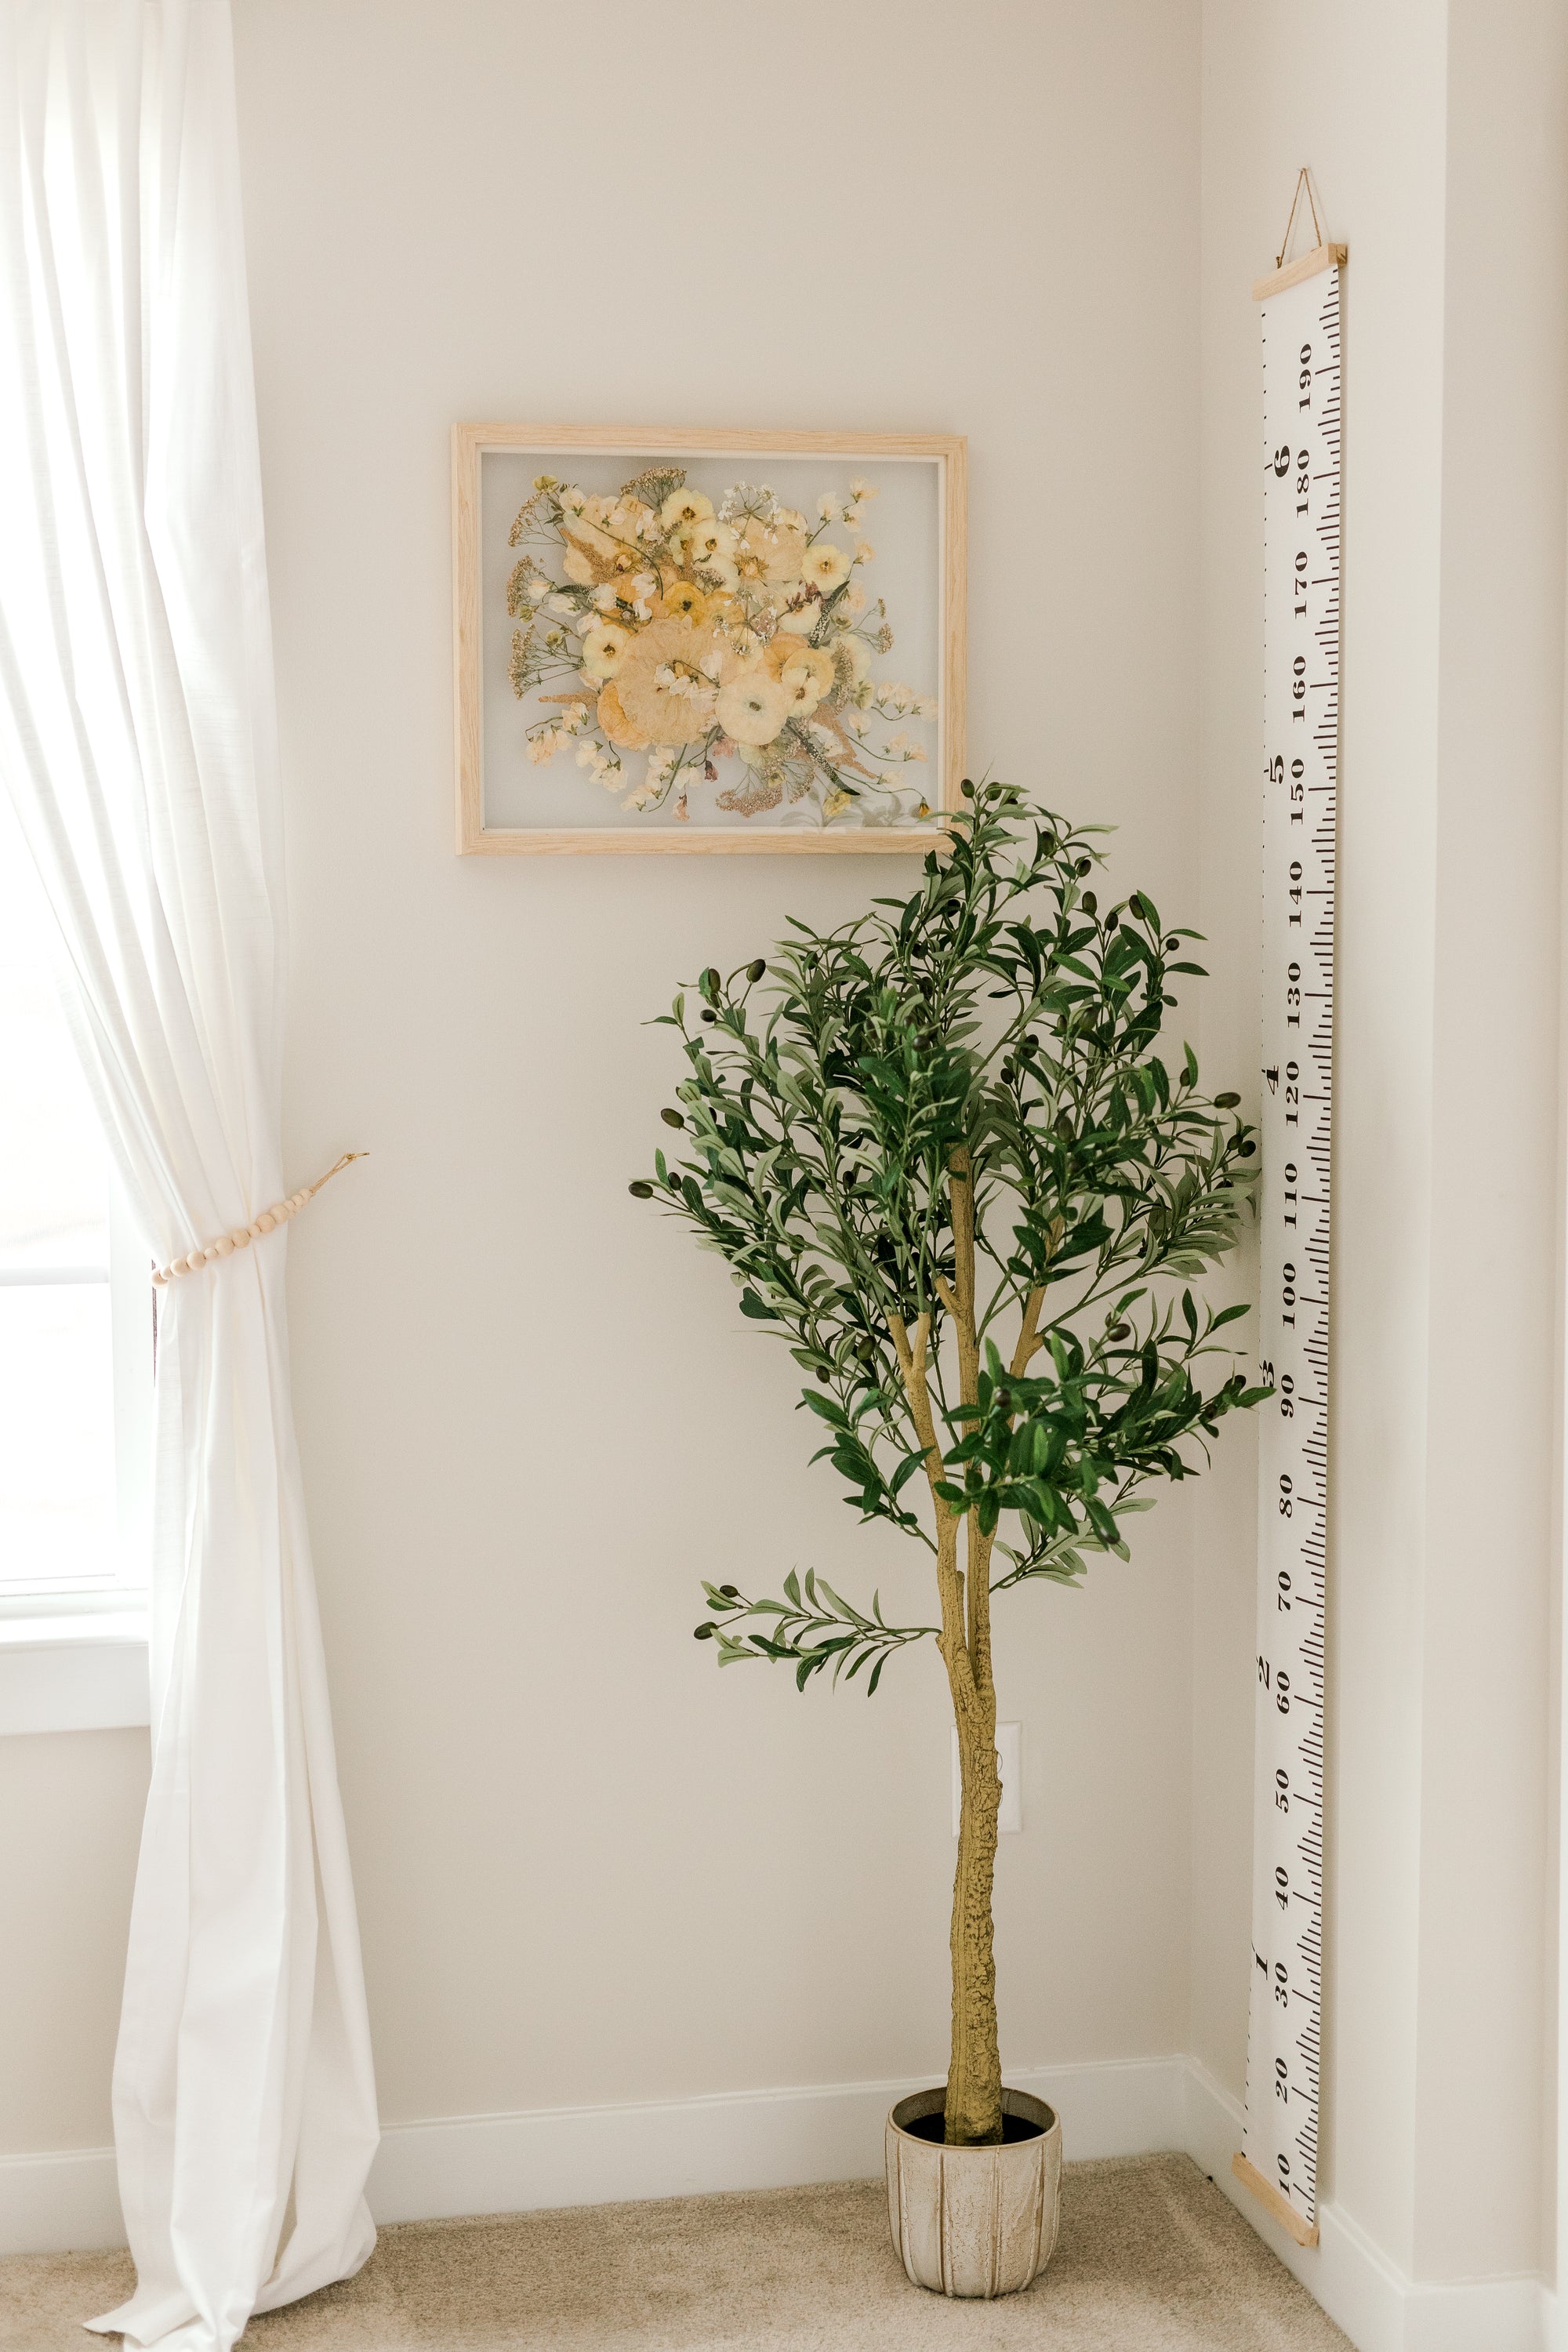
(1010, 1761)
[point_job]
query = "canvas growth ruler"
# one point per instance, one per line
(1300, 316)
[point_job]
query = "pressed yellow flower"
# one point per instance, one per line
(661, 684)
(785, 652)
(801, 619)
(621, 731)
(833, 804)
(683, 603)
(721, 568)
(588, 534)
(771, 552)
(684, 506)
(801, 689)
(825, 566)
(753, 709)
(602, 647)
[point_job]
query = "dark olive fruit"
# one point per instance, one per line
(1119, 1330)
(1049, 845)
(1089, 903)
(702, 1633)
(1113, 919)
(709, 1016)
(1135, 905)
(1225, 1101)
(730, 1591)
(641, 1190)
(755, 970)
(967, 788)
(1248, 1149)
(1084, 865)
(710, 981)
(823, 1374)
(1172, 944)
(672, 1118)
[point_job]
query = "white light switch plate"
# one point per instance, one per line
(1010, 1758)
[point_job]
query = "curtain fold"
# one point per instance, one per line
(137, 738)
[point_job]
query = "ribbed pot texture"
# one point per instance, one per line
(974, 2221)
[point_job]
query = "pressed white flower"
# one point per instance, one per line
(753, 709)
(706, 539)
(684, 506)
(925, 705)
(712, 663)
(562, 605)
(720, 569)
(787, 518)
(825, 566)
(860, 489)
(801, 619)
(829, 508)
(576, 717)
(853, 600)
(572, 500)
(863, 551)
(602, 647)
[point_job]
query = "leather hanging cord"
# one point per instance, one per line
(1303, 180)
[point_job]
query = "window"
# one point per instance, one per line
(75, 1312)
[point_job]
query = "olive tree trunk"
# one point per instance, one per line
(973, 2117)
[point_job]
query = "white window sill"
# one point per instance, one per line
(74, 1674)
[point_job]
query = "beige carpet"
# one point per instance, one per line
(1151, 2258)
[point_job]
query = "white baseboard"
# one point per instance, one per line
(745, 2139)
(777, 2139)
(1362, 2291)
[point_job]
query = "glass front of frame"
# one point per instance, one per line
(712, 642)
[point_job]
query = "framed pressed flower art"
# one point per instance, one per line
(680, 640)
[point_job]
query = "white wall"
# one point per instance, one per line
(589, 1867)
(1437, 138)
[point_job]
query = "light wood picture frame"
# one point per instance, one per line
(872, 765)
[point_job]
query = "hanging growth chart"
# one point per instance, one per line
(1299, 309)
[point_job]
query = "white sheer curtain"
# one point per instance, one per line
(137, 738)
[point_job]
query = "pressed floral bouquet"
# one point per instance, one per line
(702, 638)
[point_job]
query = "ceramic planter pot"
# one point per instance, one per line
(974, 2221)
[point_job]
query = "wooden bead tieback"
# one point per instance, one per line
(267, 1223)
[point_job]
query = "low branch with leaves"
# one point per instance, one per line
(946, 1159)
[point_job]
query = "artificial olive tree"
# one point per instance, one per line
(944, 1160)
